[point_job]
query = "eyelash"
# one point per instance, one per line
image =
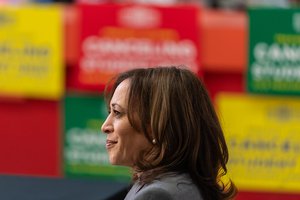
(115, 112)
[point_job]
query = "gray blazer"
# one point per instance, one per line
(175, 187)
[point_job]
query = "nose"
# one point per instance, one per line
(107, 126)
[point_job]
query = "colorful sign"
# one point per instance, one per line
(274, 51)
(30, 137)
(84, 149)
(31, 48)
(115, 38)
(222, 30)
(262, 134)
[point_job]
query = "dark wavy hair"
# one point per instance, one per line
(172, 106)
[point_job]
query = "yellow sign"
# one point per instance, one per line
(31, 52)
(263, 137)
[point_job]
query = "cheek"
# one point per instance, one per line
(131, 145)
(131, 141)
(137, 144)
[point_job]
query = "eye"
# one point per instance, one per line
(117, 113)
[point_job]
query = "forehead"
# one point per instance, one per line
(120, 95)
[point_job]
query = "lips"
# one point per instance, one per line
(110, 143)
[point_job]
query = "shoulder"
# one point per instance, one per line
(173, 182)
(175, 187)
(153, 193)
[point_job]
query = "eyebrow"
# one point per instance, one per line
(116, 105)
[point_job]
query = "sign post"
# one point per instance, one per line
(116, 38)
(274, 51)
(31, 48)
(263, 141)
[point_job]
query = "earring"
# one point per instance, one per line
(154, 141)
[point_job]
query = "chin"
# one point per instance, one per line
(113, 161)
(118, 163)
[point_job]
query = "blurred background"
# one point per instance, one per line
(56, 57)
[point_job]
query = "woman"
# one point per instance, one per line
(162, 124)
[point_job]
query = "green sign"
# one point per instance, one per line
(274, 51)
(84, 143)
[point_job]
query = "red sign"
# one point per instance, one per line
(115, 38)
(30, 140)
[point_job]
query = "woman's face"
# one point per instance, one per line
(123, 143)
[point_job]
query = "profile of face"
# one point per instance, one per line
(123, 143)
